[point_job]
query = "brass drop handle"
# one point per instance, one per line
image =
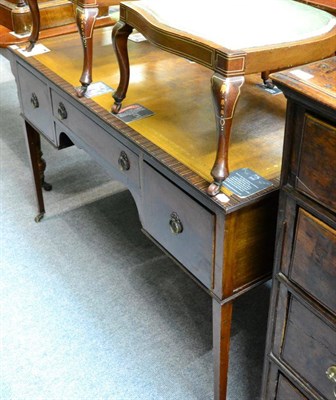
(175, 224)
(34, 101)
(62, 112)
(331, 375)
(123, 161)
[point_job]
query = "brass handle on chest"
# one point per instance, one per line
(331, 375)
(34, 101)
(62, 112)
(175, 224)
(123, 162)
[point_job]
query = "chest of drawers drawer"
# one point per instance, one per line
(317, 162)
(313, 265)
(107, 148)
(286, 391)
(35, 102)
(308, 346)
(180, 225)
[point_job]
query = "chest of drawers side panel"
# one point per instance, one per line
(301, 338)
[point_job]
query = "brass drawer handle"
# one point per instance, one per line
(123, 162)
(34, 101)
(62, 112)
(175, 224)
(331, 375)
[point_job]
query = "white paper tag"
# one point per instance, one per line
(133, 112)
(38, 49)
(137, 37)
(19, 35)
(302, 74)
(97, 89)
(222, 198)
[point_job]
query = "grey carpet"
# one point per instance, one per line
(90, 308)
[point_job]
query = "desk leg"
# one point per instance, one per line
(38, 167)
(85, 19)
(225, 93)
(120, 34)
(221, 315)
(35, 13)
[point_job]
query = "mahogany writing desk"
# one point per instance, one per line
(226, 242)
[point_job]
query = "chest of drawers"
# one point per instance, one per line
(301, 350)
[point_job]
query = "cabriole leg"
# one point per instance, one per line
(35, 13)
(38, 167)
(225, 93)
(85, 19)
(120, 34)
(266, 79)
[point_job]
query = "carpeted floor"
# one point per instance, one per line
(90, 308)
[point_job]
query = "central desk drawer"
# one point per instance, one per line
(180, 224)
(105, 147)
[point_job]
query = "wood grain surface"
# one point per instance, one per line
(178, 92)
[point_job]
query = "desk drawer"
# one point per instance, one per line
(309, 347)
(36, 102)
(105, 147)
(286, 391)
(317, 163)
(313, 265)
(180, 224)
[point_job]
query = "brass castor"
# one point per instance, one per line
(80, 91)
(39, 217)
(214, 189)
(46, 186)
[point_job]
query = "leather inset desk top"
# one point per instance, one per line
(184, 129)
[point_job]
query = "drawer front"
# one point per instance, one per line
(286, 391)
(313, 264)
(180, 224)
(309, 347)
(317, 164)
(103, 147)
(36, 102)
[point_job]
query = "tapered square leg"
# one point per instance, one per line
(221, 315)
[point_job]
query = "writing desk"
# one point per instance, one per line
(224, 244)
